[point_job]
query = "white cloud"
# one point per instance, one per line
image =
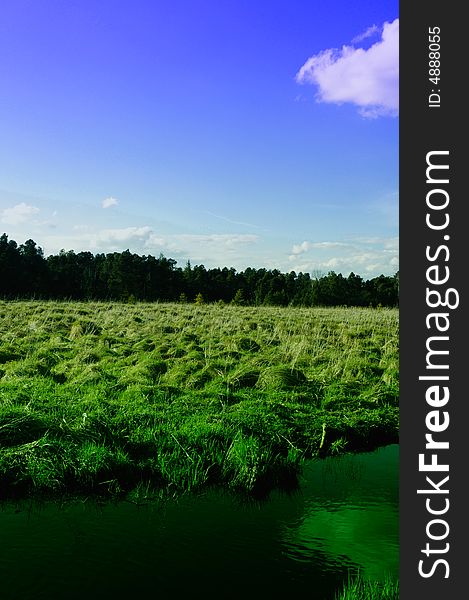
(330, 245)
(366, 264)
(388, 244)
(307, 246)
(120, 237)
(20, 213)
(227, 239)
(367, 78)
(108, 202)
(301, 248)
(205, 247)
(366, 34)
(368, 257)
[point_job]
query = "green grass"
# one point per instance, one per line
(105, 396)
(358, 588)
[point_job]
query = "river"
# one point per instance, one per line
(303, 544)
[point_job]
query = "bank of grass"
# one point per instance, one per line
(357, 588)
(104, 396)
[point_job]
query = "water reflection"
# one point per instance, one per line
(343, 517)
(350, 513)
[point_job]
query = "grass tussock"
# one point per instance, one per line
(103, 397)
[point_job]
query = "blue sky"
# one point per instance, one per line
(228, 132)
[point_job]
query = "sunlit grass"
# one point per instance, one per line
(188, 395)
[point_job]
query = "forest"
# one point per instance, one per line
(124, 276)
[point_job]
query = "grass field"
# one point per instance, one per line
(110, 397)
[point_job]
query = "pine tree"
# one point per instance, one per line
(238, 299)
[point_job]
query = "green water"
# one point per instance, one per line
(343, 518)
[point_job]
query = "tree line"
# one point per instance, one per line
(124, 276)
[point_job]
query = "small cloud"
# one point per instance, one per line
(222, 239)
(366, 34)
(306, 246)
(125, 235)
(300, 248)
(108, 202)
(20, 213)
(367, 78)
(330, 245)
